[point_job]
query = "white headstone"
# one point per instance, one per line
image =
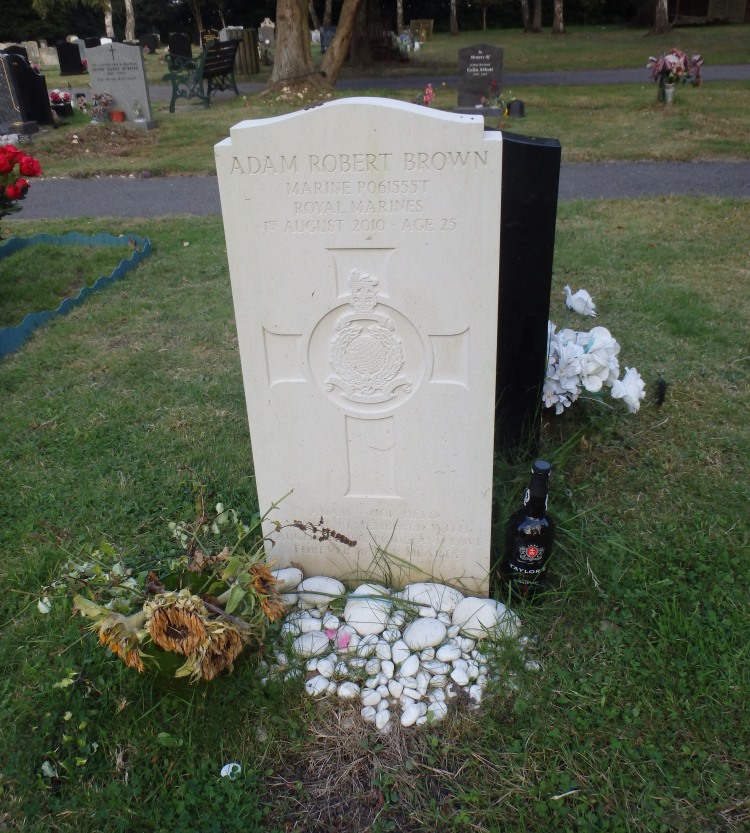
(117, 68)
(363, 246)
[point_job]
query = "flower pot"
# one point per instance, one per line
(117, 115)
(64, 108)
(668, 93)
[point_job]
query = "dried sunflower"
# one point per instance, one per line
(177, 621)
(264, 585)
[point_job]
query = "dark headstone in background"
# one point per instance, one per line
(14, 116)
(69, 56)
(479, 68)
(327, 34)
(179, 44)
(32, 90)
(149, 41)
(90, 43)
(531, 173)
(15, 49)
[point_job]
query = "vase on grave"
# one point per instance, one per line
(669, 93)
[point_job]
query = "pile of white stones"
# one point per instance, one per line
(402, 652)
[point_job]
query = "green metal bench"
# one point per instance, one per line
(211, 71)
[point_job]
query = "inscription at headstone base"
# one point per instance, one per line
(364, 269)
(117, 68)
(480, 77)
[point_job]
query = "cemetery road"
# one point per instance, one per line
(199, 195)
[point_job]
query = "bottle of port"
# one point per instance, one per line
(529, 536)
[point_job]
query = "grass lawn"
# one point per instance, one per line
(637, 720)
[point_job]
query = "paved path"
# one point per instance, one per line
(198, 195)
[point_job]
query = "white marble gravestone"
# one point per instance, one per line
(117, 68)
(363, 246)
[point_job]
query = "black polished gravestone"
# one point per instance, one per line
(15, 49)
(480, 79)
(24, 101)
(69, 56)
(531, 173)
(179, 44)
(90, 43)
(327, 34)
(149, 42)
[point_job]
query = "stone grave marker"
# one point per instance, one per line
(32, 48)
(48, 56)
(480, 77)
(327, 34)
(69, 58)
(16, 49)
(179, 44)
(364, 268)
(267, 32)
(117, 68)
(150, 42)
(24, 103)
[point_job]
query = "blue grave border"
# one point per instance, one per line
(12, 338)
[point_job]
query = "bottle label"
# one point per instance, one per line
(530, 554)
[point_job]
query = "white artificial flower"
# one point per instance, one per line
(44, 605)
(580, 302)
(631, 389)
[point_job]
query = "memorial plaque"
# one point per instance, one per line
(364, 269)
(117, 68)
(480, 76)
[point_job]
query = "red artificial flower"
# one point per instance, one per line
(13, 192)
(29, 166)
(23, 184)
(6, 162)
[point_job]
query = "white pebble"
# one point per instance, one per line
(467, 645)
(439, 596)
(438, 681)
(473, 670)
(437, 695)
(312, 664)
(478, 618)
(331, 622)
(460, 676)
(424, 633)
(410, 715)
(348, 690)
(395, 688)
(289, 599)
(434, 666)
(383, 705)
(370, 697)
(410, 666)
(382, 719)
(366, 616)
(382, 650)
(445, 618)
(372, 666)
(391, 635)
(397, 619)
(400, 651)
(288, 579)
(427, 612)
(368, 713)
(388, 668)
(475, 694)
(436, 711)
(357, 662)
(382, 690)
(309, 624)
(311, 644)
(453, 631)
(326, 667)
(316, 686)
(423, 682)
(366, 646)
(448, 652)
(319, 590)
(412, 693)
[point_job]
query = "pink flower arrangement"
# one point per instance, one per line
(676, 67)
(59, 97)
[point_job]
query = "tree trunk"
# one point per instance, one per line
(360, 52)
(293, 53)
(336, 53)
(399, 16)
(454, 17)
(558, 26)
(108, 26)
(661, 25)
(328, 13)
(129, 20)
(314, 17)
(526, 15)
(536, 24)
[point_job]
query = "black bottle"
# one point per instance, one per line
(529, 536)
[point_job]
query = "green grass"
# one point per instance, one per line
(24, 288)
(637, 720)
